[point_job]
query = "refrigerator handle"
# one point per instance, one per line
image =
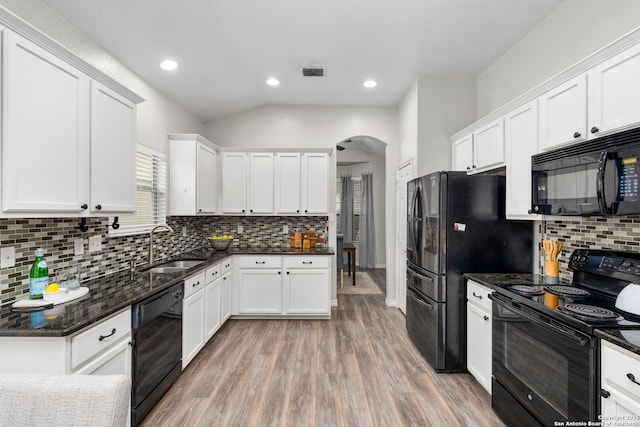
(420, 276)
(414, 221)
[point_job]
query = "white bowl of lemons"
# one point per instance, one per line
(220, 243)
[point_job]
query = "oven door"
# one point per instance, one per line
(549, 369)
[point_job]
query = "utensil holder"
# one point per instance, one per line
(551, 273)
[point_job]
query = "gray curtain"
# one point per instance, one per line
(346, 208)
(367, 240)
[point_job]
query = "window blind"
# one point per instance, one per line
(151, 179)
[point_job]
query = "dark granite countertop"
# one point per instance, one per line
(626, 338)
(110, 294)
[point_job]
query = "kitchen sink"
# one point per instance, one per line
(174, 266)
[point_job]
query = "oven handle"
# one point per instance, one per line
(511, 306)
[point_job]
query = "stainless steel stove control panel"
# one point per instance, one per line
(603, 262)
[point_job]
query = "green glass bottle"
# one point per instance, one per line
(39, 276)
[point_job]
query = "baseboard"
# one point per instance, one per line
(391, 302)
(334, 303)
(380, 266)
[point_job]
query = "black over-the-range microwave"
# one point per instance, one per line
(598, 177)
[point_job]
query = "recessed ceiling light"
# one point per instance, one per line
(273, 82)
(370, 83)
(168, 65)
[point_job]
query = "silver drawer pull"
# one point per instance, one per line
(113, 332)
(196, 284)
(632, 378)
(261, 262)
(477, 296)
(307, 262)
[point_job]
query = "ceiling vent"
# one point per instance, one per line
(313, 71)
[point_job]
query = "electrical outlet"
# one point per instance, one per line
(8, 257)
(95, 243)
(78, 247)
(240, 228)
(285, 229)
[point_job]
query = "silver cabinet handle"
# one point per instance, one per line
(477, 296)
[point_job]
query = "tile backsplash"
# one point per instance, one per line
(57, 236)
(620, 233)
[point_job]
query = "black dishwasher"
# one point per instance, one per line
(157, 349)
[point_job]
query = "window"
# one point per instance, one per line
(356, 207)
(151, 167)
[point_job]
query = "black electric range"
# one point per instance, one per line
(545, 367)
(588, 302)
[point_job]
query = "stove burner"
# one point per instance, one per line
(567, 291)
(527, 290)
(588, 312)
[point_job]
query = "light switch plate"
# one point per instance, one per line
(285, 229)
(78, 247)
(240, 228)
(8, 257)
(95, 243)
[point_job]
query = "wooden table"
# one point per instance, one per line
(350, 249)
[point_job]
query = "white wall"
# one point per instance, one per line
(157, 116)
(446, 104)
(576, 29)
(375, 165)
(318, 126)
(408, 125)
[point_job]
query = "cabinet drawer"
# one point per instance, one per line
(259, 262)
(100, 337)
(617, 363)
(479, 295)
(306, 262)
(212, 273)
(225, 266)
(193, 284)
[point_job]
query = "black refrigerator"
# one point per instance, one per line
(455, 224)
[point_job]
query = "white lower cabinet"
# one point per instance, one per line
(620, 391)
(193, 313)
(227, 289)
(283, 286)
(479, 314)
(213, 293)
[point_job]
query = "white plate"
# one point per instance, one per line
(70, 296)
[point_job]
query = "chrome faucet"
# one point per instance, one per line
(157, 227)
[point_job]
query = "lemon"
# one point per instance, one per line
(230, 237)
(225, 237)
(214, 237)
(52, 288)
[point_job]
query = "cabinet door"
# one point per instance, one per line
(462, 154)
(259, 291)
(479, 345)
(193, 335)
(563, 114)
(521, 138)
(488, 146)
(115, 361)
(113, 127)
(619, 406)
(307, 291)
(205, 180)
(288, 183)
(45, 130)
(225, 297)
(614, 93)
(212, 317)
(261, 183)
(233, 183)
(315, 183)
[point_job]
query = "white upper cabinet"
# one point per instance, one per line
(521, 141)
(481, 150)
(192, 175)
(45, 131)
(113, 127)
(261, 183)
(63, 133)
(462, 154)
(234, 186)
(563, 114)
(315, 183)
(614, 93)
(288, 178)
(488, 146)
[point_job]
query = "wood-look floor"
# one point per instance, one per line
(357, 369)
